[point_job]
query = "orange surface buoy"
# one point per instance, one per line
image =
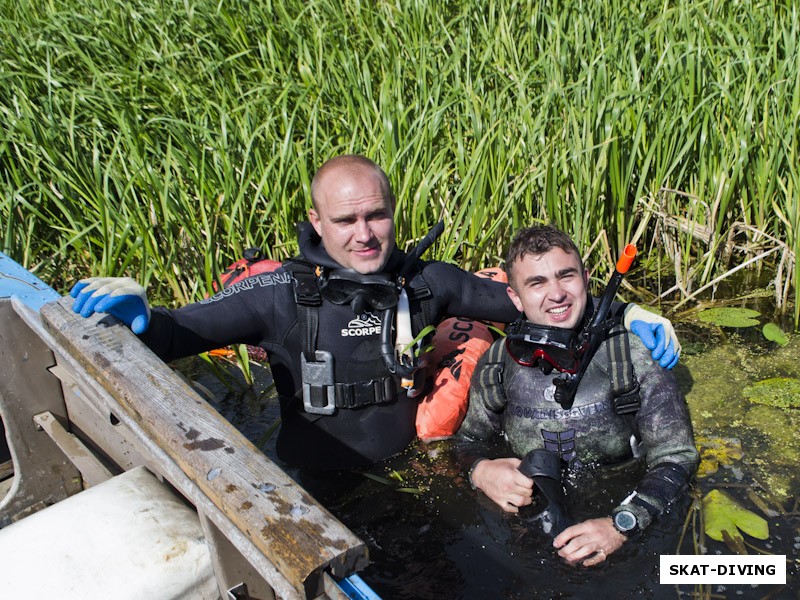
(253, 263)
(457, 345)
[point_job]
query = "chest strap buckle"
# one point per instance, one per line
(319, 392)
(628, 402)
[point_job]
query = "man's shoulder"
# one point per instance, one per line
(497, 350)
(494, 360)
(429, 267)
(445, 273)
(277, 281)
(638, 350)
(642, 356)
(639, 354)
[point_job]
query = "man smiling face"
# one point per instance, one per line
(550, 288)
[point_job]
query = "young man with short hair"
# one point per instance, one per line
(513, 396)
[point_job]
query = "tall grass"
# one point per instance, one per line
(160, 139)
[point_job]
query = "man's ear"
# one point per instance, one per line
(515, 298)
(313, 217)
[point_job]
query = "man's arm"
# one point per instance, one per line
(666, 435)
(498, 478)
(243, 313)
(462, 294)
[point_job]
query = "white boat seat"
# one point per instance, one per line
(127, 538)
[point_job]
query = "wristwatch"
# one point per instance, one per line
(625, 522)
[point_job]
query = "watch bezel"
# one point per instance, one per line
(625, 514)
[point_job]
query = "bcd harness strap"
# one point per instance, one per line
(320, 392)
(624, 385)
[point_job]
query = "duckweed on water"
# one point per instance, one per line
(750, 394)
(780, 392)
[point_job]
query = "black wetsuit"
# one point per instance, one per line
(518, 405)
(261, 311)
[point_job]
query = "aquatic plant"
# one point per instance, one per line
(716, 452)
(774, 334)
(160, 140)
(739, 317)
(730, 317)
(724, 515)
(780, 392)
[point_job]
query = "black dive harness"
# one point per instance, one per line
(381, 292)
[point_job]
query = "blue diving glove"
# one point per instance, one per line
(120, 297)
(657, 334)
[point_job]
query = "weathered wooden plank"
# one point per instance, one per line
(139, 449)
(299, 536)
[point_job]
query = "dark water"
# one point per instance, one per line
(430, 536)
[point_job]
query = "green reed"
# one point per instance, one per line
(161, 139)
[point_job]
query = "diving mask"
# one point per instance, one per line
(380, 291)
(549, 348)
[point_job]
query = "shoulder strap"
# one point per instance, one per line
(493, 377)
(419, 292)
(306, 284)
(624, 385)
(308, 299)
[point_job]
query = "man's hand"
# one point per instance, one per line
(120, 297)
(500, 480)
(657, 334)
(590, 542)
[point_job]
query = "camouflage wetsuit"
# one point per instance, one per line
(507, 399)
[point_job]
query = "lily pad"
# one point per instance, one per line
(774, 334)
(723, 514)
(716, 452)
(780, 392)
(730, 317)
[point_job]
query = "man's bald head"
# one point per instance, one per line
(349, 165)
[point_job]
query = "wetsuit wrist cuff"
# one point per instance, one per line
(472, 470)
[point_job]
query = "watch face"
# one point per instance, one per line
(625, 521)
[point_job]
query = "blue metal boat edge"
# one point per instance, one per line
(357, 589)
(17, 281)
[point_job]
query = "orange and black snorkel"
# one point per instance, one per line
(594, 332)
